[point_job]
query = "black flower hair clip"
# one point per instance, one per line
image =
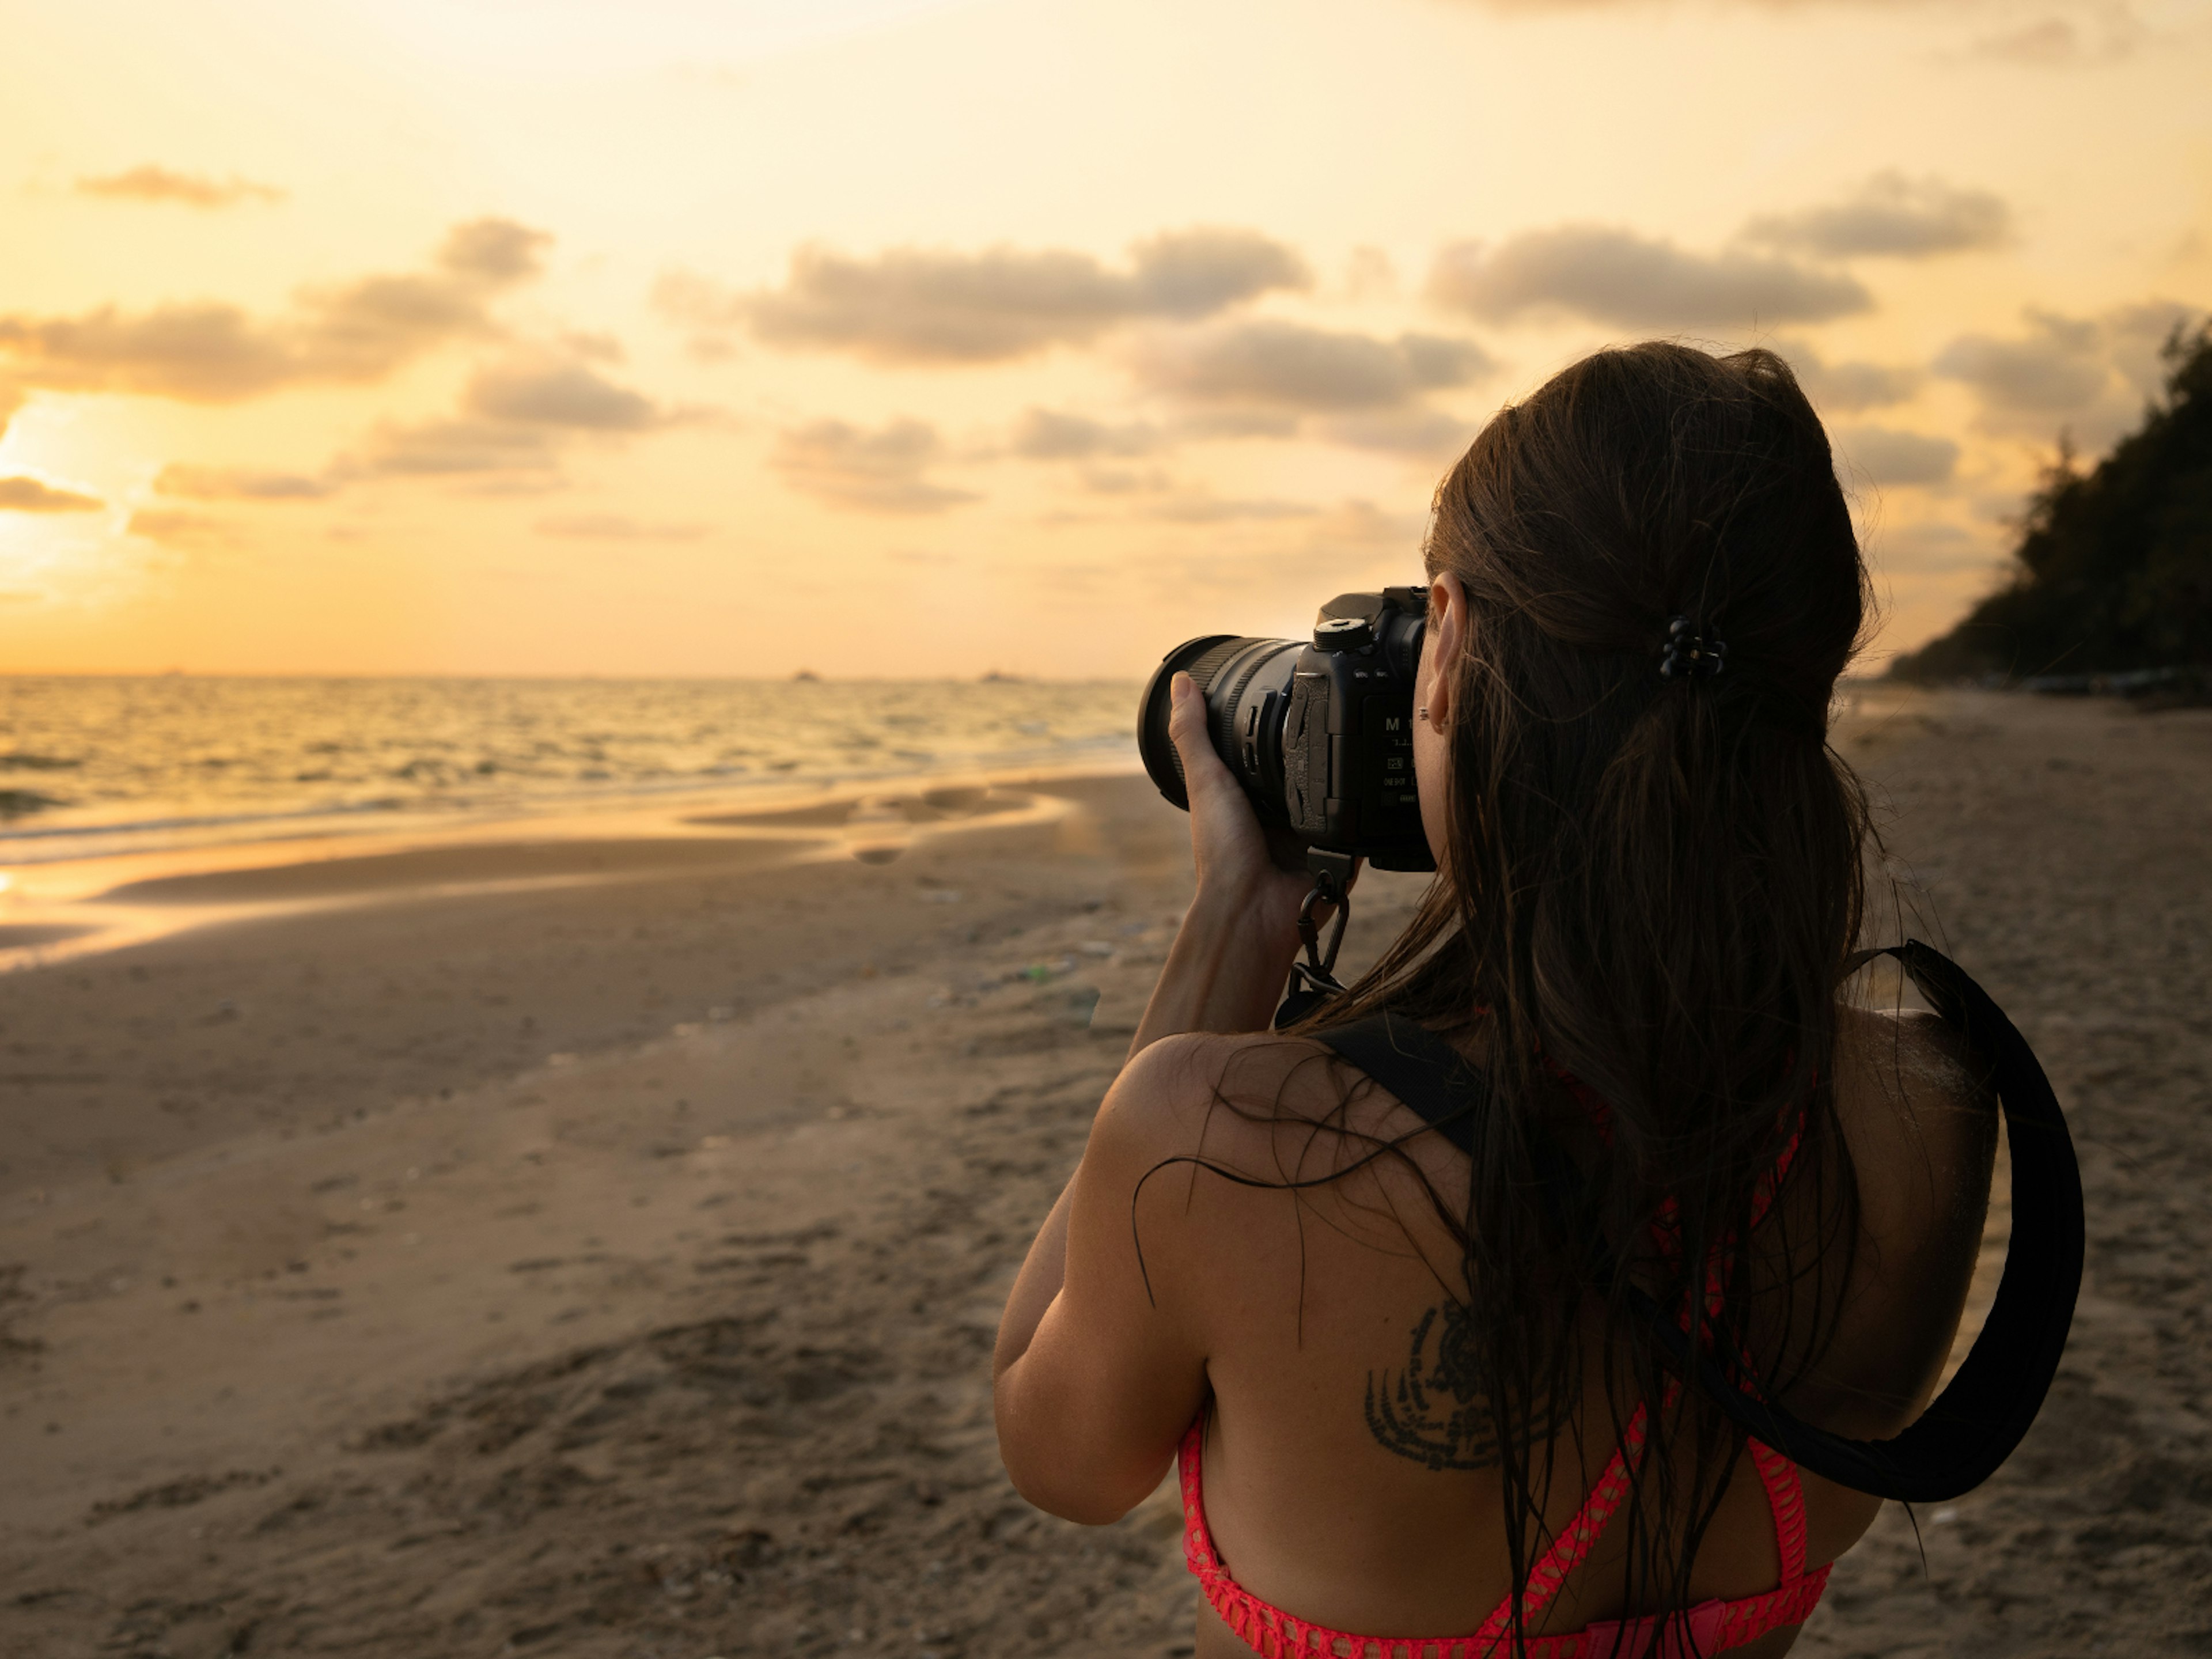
(1690, 654)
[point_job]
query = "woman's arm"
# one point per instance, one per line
(1043, 1272)
(1917, 1116)
(1096, 1373)
(1101, 1362)
(1227, 967)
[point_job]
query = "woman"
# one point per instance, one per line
(1418, 1414)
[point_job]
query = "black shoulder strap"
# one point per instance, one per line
(1419, 1067)
(1974, 1424)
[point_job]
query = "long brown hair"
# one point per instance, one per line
(1651, 885)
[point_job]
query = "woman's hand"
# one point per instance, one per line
(1240, 867)
(1227, 967)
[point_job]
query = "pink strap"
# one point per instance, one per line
(1712, 1627)
(1575, 1538)
(1785, 1500)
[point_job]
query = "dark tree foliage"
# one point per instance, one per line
(2115, 568)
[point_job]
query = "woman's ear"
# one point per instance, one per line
(1444, 641)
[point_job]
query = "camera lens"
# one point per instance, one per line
(1246, 684)
(1319, 735)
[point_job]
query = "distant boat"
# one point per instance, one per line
(994, 678)
(806, 677)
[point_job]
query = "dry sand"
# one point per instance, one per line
(606, 1262)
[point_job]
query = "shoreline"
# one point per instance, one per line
(65, 909)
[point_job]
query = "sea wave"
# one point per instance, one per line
(174, 761)
(19, 803)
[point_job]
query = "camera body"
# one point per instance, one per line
(1320, 733)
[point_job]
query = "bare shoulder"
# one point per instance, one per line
(1916, 1057)
(1258, 1127)
(1906, 1079)
(1201, 1086)
(1914, 1097)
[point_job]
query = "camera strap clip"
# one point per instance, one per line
(1313, 980)
(1332, 874)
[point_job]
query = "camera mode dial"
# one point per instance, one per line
(1344, 634)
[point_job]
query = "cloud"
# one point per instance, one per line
(514, 419)
(494, 252)
(1154, 494)
(207, 351)
(1415, 432)
(2055, 42)
(11, 399)
(1239, 422)
(1847, 388)
(449, 448)
(616, 527)
(1293, 366)
(240, 484)
(2136, 335)
(22, 495)
(878, 471)
(2057, 368)
(1932, 548)
(1196, 273)
(2090, 375)
(1125, 480)
(1894, 215)
(1886, 456)
(2049, 41)
(542, 393)
(1198, 506)
(1350, 547)
(1618, 276)
(150, 183)
(594, 345)
(1358, 524)
(912, 305)
(184, 531)
(1044, 435)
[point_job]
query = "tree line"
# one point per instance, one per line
(2113, 572)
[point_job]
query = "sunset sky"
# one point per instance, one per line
(924, 337)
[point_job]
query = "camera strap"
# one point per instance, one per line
(1313, 980)
(1970, 1427)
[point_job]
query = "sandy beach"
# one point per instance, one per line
(593, 1246)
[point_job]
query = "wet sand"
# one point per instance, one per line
(605, 1262)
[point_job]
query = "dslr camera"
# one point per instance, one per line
(1319, 733)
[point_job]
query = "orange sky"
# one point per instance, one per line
(921, 337)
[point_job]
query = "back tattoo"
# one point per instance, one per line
(1438, 1412)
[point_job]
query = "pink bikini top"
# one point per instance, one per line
(1713, 1626)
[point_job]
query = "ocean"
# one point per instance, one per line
(96, 766)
